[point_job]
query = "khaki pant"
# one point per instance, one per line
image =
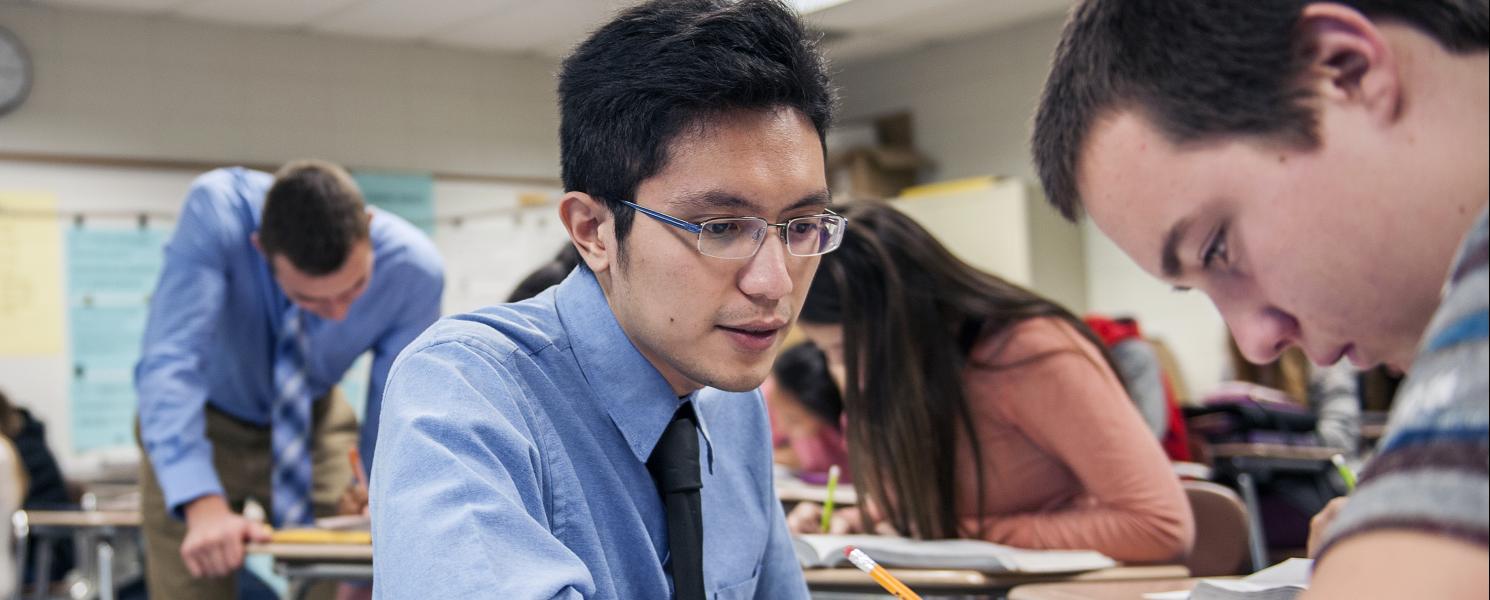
(243, 458)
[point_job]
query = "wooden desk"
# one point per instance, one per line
(942, 581)
(104, 526)
(1276, 451)
(79, 518)
(1103, 590)
(304, 564)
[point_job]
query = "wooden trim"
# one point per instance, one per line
(170, 164)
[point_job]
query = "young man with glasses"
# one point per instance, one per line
(1319, 169)
(605, 439)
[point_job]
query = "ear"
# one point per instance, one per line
(590, 227)
(1350, 60)
(367, 217)
(253, 238)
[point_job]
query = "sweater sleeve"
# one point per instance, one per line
(1056, 389)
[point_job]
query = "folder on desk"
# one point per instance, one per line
(814, 550)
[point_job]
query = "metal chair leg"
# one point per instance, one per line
(105, 569)
(1256, 542)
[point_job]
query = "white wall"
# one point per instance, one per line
(1186, 321)
(112, 84)
(973, 103)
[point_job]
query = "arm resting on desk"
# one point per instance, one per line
(1402, 564)
(1058, 392)
(184, 314)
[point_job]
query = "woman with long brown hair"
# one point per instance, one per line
(978, 409)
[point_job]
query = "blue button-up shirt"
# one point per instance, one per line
(216, 312)
(513, 465)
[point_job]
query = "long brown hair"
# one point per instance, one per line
(10, 418)
(1288, 373)
(911, 313)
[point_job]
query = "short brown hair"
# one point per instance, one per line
(313, 215)
(1202, 69)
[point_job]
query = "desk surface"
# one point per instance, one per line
(315, 552)
(930, 580)
(80, 518)
(1274, 451)
(1101, 590)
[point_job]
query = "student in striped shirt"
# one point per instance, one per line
(1320, 170)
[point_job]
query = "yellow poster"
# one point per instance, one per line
(30, 275)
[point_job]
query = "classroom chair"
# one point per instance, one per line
(1221, 530)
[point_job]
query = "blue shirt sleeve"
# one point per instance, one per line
(781, 572)
(169, 378)
(421, 311)
(458, 490)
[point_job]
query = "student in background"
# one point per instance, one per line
(1321, 171)
(978, 409)
(605, 440)
(272, 285)
(1329, 392)
(46, 488)
(13, 485)
(1137, 362)
(547, 275)
(806, 409)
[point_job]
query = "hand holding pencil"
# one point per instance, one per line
(354, 499)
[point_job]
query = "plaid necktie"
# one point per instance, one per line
(290, 426)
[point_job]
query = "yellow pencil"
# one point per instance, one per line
(355, 458)
(879, 574)
(832, 491)
(1345, 473)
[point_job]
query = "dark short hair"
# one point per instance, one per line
(1199, 70)
(802, 370)
(630, 89)
(313, 215)
(546, 275)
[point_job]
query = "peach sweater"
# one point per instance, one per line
(1067, 460)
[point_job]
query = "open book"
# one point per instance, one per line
(815, 550)
(1282, 581)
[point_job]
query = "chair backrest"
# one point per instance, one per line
(12, 493)
(1220, 530)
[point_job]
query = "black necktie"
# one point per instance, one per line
(674, 465)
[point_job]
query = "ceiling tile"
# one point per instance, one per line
(402, 19)
(529, 26)
(146, 6)
(274, 13)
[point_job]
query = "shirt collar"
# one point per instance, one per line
(638, 399)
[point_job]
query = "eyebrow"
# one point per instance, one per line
(334, 296)
(716, 199)
(1169, 257)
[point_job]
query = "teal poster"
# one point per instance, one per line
(408, 195)
(110, 274)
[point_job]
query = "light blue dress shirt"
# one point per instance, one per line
(513, 465)
(216, 312)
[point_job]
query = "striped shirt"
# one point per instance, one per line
(1432, 472)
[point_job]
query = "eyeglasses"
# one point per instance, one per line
(741, 237)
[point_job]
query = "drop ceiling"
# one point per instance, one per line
(854, 29)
